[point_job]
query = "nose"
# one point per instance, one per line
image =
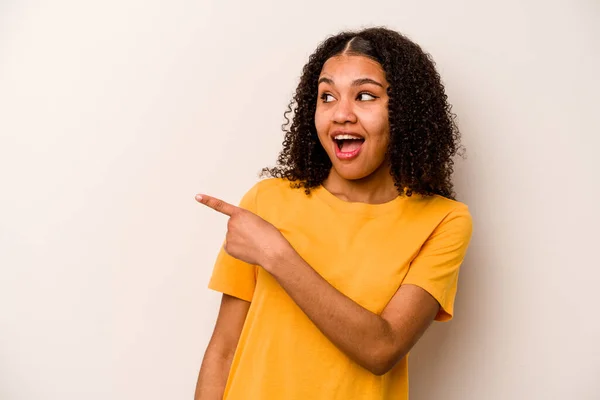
(344, 112)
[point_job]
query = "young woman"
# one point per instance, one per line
(335, 266)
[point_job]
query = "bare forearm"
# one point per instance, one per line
(213, 376)
(361, 334)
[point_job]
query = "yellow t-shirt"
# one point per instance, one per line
(366, 251)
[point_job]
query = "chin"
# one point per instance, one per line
(352, 174)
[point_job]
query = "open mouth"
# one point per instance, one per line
(349, 145)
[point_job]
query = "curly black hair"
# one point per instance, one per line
(424, 135)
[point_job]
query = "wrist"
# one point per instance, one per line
(278, 256)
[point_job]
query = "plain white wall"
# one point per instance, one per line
(114, 114)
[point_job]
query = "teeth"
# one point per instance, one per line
(342, 137)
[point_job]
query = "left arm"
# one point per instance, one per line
(376, 342)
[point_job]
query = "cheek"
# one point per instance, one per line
(320, 120)
(379, 128)
(321, 125)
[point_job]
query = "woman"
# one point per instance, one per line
(334, 267)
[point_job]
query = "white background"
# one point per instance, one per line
(114, 114)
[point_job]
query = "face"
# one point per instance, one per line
(351, 117)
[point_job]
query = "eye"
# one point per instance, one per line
(361, 96)
(325, 97)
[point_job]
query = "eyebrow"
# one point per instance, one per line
(358, 82)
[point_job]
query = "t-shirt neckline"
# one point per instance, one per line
(357, 207)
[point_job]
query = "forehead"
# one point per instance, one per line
(352, 65)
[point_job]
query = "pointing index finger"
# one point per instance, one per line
(217, 204)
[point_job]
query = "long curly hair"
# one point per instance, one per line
(424, 136)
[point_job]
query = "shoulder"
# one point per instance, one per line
(272, 192)
(440, 213)
(270, 187)
(438, 205)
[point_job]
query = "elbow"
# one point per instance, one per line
(384, 350)
(382, 360)
(380, 368)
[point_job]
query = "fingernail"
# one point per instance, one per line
(198, 197)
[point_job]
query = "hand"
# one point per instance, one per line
(249, 237)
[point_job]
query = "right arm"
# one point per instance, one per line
(221, 348)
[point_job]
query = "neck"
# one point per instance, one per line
(376, 188)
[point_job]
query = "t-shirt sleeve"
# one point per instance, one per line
(436, 266)
(230, 275)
